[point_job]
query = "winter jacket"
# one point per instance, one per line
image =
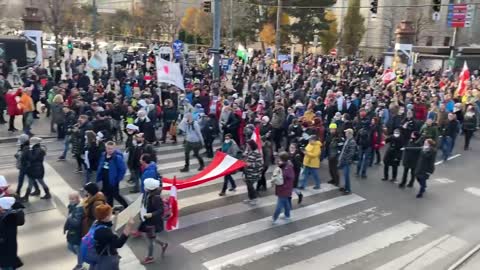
(278, 117)
(9, 221)
(12, 108)
(70, 121)
(347, 152)
(429, 132)
(58, 116)
(73, 224)
(26, 103)
(412, 153)
(136, 152)
(312, 154)
(116, 171)
(106, 239)
(35, 158)
(153, 203)
(104, 126)
(151, 171)
(146, 127)
(470, 123)
(89, 211)
(230, 149)
(169, 115)
(93, 155)
(286, 189)
(451, 129)
(426, 163)
(393, 155)
(253, 172)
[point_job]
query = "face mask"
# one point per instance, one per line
(425, 147)
(228, 141)
(396, 135)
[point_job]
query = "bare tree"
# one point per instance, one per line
(55, 15)
(421, 23)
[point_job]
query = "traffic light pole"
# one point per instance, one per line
(94, 24)
(278, 29)
(217, 16)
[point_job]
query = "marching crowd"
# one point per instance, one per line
(327, 110)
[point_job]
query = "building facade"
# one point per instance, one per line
(380, 30)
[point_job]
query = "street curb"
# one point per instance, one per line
(465, 258)
(14, 139)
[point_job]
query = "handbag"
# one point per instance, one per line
(277, 176)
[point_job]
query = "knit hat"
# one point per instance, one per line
(91, 188)
(103, 211)
(151, 184)
(332, 126)
(6, 202)
(23, 139)
(266, 119)
(132, 127)
(35, 140)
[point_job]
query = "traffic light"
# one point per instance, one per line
(374, 6)
(207, 6)
(70, 45)
(437, 5)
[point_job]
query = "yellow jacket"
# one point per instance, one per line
(26, 103)
(312, 154)
(308, 116)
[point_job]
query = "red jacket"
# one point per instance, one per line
(12, 108)
(286, 189)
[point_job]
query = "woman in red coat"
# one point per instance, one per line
(12, 107)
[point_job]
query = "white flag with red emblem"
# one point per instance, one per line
(172, 222)
(169, 72)
(463, 79)
(388, 76)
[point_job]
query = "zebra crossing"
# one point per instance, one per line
(328, 231)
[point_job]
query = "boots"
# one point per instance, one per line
(184, 169)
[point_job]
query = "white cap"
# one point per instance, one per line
(7, 202)
(132, 127)
(151, 184)
(100, 136)
(266, 119)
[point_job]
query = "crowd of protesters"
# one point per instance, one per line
(326, 110)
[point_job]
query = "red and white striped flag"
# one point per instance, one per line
(463, 79)
(256, 137)
(388, 76)
(172, 222)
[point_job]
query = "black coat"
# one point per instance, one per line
(153, 203)
(412, 153)
(35, 159)
(146, 127)
(136, 152)
(9, 221)
(104, 126)
(426, 163)
(393, 155)
(105, 237)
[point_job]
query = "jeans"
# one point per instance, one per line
(447, 146)
(363, 158)
(226, 179)
(346, 177)
(135, 175)
(333, 169)
(32, 183)
(195, 146)
(283, 203)
(252, 193)
(75, 249)
(307, 171)
(113, 192)
(87, 174)
(21, 179)
(66, 146)
(11, 123)
(422, 181)
(468, 136)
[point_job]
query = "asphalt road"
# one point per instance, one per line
(379, 226)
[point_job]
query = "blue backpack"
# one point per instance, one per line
(88, 252)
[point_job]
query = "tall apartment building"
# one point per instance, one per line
(380, 31)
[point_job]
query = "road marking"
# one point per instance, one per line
(399, 233)
(444, 180)
(450, 158)
(299, 238)
(219, 237)
(426, 255)
(237, 208)
(473, 190)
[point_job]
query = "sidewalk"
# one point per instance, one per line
(40, 127)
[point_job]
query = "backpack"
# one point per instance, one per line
(88, 252)
(18, 157)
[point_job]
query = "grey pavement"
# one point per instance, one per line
(40, 127)
(378, 227)
(473, 263)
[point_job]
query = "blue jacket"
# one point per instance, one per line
(150, 172)
(117, 168)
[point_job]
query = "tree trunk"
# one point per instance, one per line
(263, 46)
(57, 47)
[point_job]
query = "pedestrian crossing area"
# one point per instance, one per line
(327, 231)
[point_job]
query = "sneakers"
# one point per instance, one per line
(148, 260)
(61, 158)
(35, 193)
(232, 190)
(184, 169)
(46, 197)
(201, 168)
(317, 187)
(221, 194)
(79, 171)
(287, 219)
(419, 195)
(164, 248)
(274, 222)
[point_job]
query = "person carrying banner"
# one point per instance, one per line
(193, 141)
(230, 148)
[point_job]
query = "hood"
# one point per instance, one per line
(151, 166)
(315, 143)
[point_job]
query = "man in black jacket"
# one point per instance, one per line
(136, 151)
(10, 219)
(103, 124)
(70, 121)
(35, 169)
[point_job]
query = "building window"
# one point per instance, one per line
(446, 41)
(429, 41)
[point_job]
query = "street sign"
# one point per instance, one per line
(470, 15)
(457, 15)
(225, 64)
(216, 51)
(177, 48)
(436, 16)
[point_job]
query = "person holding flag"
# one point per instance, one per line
(230, 148)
